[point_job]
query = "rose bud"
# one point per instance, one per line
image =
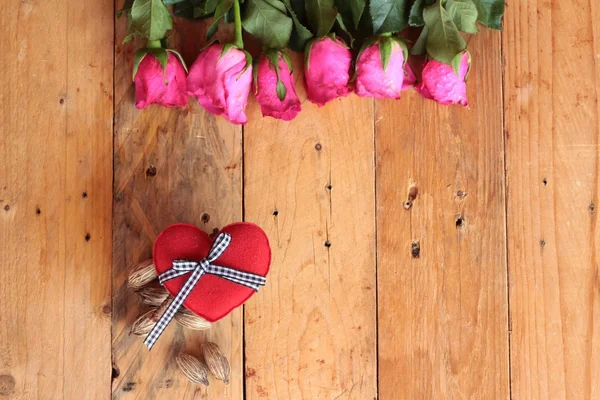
(380, 68)
(446, 83)
(155, 84)
(274, 87)
(220, 79)
(327, 71)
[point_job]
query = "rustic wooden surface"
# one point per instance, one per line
(311, 333)
(181, 165)
(552, 79)
(55, 242)
(485, 286)
(440, 241)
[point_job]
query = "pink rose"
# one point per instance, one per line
(442, 84)
(155, 86)
(409, 78)
(266, 89)
(221, 82)
(327, 71)
(372, 80)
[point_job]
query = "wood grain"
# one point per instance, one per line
(552, 78)
(171, 165)
(55, 244)
(442, 295)
(311, 332)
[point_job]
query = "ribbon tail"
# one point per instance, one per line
(171, 310)
(170, 274)
(252, 285)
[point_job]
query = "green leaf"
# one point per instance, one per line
(126, 7)
(288, 61)
(457, 60)
(344, 27)
(345, 21)
(456, 63)
(268, 22)
(307, 51)
(248, 61)
(211, 5)
(299, 7)
(464, 14)
(416, 13)
(162, 56)
(170, 2)
(229, 17)
(389, 15)
(195, 10)
(444, 40)
(178, 55)
(365, 28)
(385, 51)
(490, 12)
(420, 46)
(351, 10)
(300, 33)
(151, 18)
(221, 9)
(281, 90)
(321, 15)
(139, 56)
(358, 8)
(273, 56)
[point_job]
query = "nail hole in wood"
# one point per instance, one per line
(460, 220)
(461, 194)
(205, 218)
(84, 195)
(327, 243)
(38, 211)
(412, 193)
(275, 213)
(6, 207)
(61, 101)
(329, 187)
(115, 372)
(415, 249)
(151, 171)
(542, 243)
(545, 181)
(87, 237)
(318, 146)
(407, 204)
(592, 208)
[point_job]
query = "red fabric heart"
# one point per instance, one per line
(213, 297)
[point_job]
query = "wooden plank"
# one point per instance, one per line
(171, 165)
(552, 79)
(55, 244)
(311, 332)
(442, 294)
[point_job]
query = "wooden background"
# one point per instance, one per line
(419, 251)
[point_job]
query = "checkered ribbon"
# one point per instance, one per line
(197, 269)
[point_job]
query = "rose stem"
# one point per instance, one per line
(238, 41)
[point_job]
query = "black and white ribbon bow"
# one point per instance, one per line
(197, 269)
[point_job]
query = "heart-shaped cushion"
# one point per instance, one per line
(213, 297)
